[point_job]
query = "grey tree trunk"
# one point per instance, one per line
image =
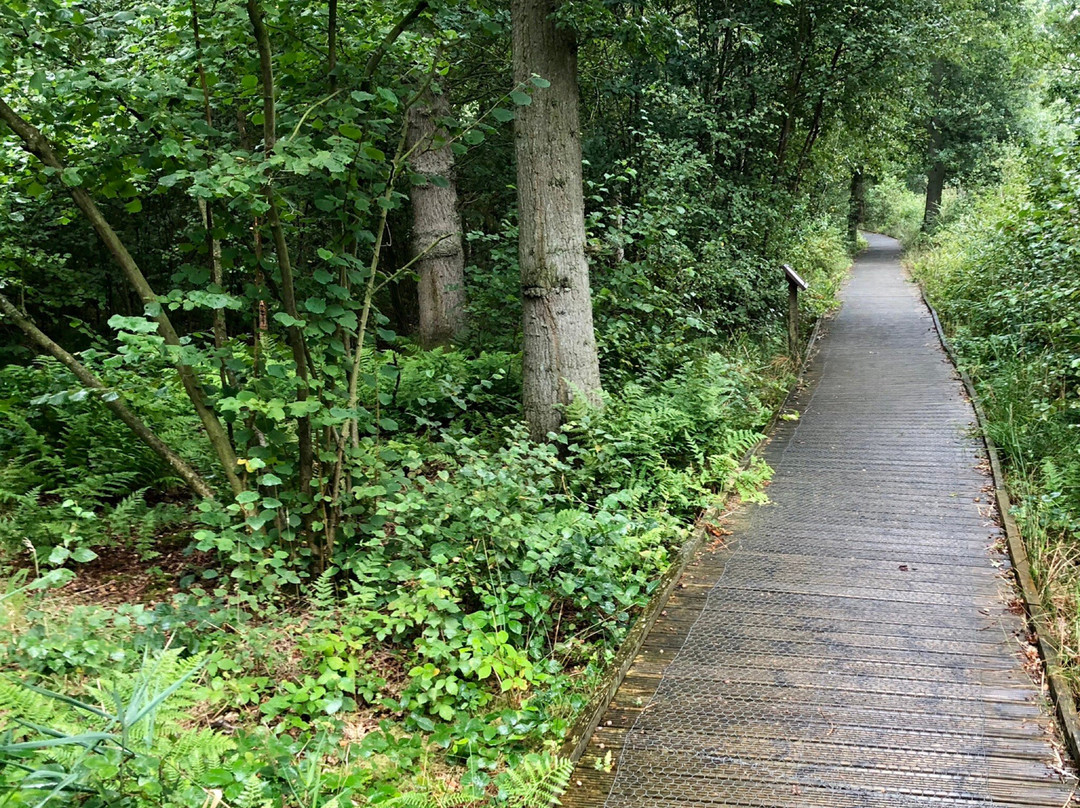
(436, 230)
(560, 359)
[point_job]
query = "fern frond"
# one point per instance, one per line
(323, 592)
(537, 781)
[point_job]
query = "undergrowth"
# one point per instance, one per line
(482, 593)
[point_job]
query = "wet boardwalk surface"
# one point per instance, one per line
(854, 642)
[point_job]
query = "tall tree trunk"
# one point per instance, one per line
(121, 410)
(856, 205)
(935, 186)
(935, 176)
(436, 230)
(560, 357)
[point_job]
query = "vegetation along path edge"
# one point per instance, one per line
(1060, 692)
(577, 740)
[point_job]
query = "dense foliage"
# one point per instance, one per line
(270, 536)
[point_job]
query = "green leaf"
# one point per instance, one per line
(539, 82)
(83, 555)
(70, 177)
(520, 98)
(134, 206)
(288, 320)
(351, 131)
(502, 115)
(87, 739)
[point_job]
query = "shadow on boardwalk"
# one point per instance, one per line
(853, 645)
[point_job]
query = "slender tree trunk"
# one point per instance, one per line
(436, 221)
(856, 205)
(193, 479)
(305, 446)
(794, 90)
(213, 245)
(560, 358)
(37, 144)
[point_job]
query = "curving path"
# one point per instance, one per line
(853, 644)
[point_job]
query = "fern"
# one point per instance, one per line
(141, 713)
(538, 781)
(738, 442)
(323, 592)
(252, 795)
(430, 799)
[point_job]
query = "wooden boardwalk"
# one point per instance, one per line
(854, 642)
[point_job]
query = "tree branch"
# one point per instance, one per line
(37, 144)
(377, 55)
(189, 475)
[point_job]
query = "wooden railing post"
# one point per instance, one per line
(795, 285)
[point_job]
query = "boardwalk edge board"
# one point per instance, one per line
(1060, 692)
(577, 740)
